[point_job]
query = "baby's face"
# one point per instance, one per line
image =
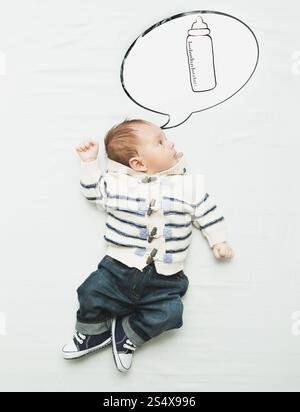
(156, 152)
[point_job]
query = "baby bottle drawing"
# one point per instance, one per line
(200, 53)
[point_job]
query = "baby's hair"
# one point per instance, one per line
(121, 141)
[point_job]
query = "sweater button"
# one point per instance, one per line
(148, 179)
(152, 234)
(152, 203)
(152, 178)
(153, 252)
(149, 260)
(150, 257)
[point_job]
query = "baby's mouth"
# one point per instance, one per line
(177, 155)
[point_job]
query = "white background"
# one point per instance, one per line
(59, 84)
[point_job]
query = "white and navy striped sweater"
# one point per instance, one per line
(150, 217)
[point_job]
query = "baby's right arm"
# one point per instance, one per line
(92, 183)
(88, 150)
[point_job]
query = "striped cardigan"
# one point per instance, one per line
(150, 217)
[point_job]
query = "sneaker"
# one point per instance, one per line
(83, 344)
(122, 347)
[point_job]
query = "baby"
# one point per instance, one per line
(151, 204)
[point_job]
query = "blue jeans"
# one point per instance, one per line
(149, 303)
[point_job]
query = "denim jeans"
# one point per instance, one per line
(149, 303)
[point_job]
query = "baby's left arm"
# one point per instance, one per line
(208, 218)
(223, 251)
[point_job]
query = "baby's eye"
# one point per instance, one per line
(160, 142)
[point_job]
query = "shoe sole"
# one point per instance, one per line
(80, 354)
(118, 363)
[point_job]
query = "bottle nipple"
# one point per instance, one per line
(199, 24)
(199, 28)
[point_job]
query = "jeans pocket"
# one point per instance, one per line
(177, 275)
(116, 271)
(110, 262)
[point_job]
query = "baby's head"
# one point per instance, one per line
(140, 145)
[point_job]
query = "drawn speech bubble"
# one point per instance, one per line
(188, 63)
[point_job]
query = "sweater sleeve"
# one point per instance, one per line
(208, 218)
(92, 183)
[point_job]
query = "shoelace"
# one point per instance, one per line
(129, 345)
(79, 337)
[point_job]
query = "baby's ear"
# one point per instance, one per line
(137, 164)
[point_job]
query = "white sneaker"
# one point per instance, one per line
(122, 347)
(83, 344)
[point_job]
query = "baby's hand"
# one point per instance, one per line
(88, 150)
(223, 251)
